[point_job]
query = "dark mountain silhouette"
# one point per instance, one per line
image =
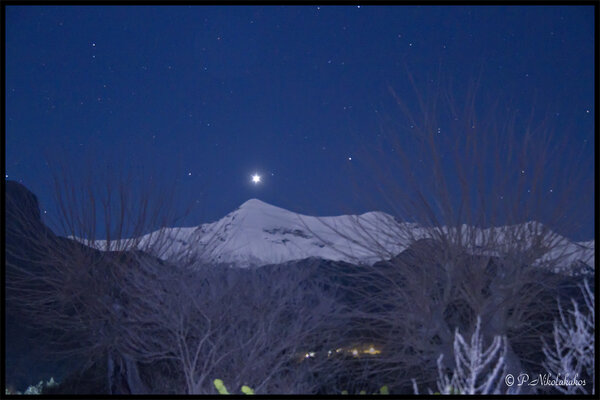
(31, 248)
(25, 364)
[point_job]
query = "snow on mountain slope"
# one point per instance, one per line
(258, 234)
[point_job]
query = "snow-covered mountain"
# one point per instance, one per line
(259, 234)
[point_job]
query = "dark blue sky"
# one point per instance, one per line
(206, 96)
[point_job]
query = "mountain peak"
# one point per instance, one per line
(254, 203)
(259, 207)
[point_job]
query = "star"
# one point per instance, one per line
(255, 179)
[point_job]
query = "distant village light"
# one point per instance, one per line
(372, 350)
(354, 351)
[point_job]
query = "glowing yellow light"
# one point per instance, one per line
(355, 352)
(372, 350)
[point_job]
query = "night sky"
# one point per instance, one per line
(204, 97)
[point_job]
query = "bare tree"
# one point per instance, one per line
(244, 327)
(477, 371)
(570, 355)
(466, 195)
(67, 289)
(161, 325)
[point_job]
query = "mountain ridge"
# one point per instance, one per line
(258, 233)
